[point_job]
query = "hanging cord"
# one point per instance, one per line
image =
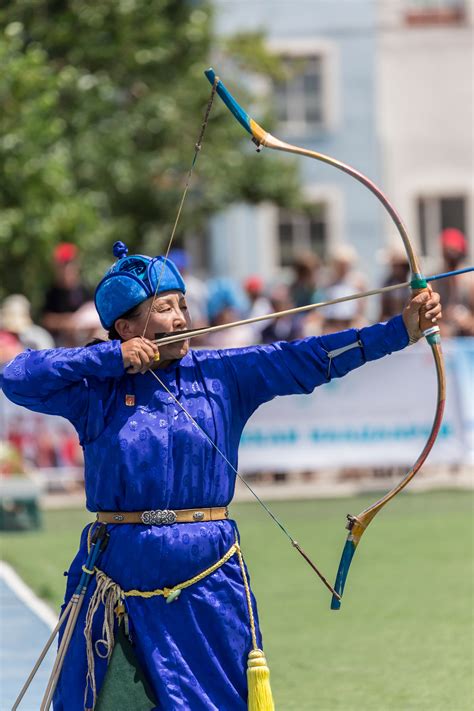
(262, 503)
(197, 149)
(253, 629)
(107, 593)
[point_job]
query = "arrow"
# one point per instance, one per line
(163, 340)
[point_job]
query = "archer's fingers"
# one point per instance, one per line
(145, 354)
(419, 301)
(134, 368)
(148, 347)
(153, 354)
(433, 309)
(149, 355)
(146, 359)
(140, 361)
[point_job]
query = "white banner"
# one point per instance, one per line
(380, 414)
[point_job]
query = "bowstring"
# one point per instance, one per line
(293, 542)
(219, 451)
(197, 149)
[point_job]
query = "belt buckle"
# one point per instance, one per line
(159, 517)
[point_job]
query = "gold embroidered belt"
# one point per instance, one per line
(164, 517)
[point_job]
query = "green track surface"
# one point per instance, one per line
(403, 638)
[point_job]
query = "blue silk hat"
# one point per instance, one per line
(131, 280)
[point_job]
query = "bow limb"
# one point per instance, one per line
(357, 525)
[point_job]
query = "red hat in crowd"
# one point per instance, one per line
(253, 284)
(452, 238)
(65, 252)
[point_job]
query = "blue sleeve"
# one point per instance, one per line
(63, 381)
(262, 372)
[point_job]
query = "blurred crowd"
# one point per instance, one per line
(68, 316)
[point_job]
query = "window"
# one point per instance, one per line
(436, 214)
(299, 98)
(302, 231)
(435, 12)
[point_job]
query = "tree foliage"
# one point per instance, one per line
(101, 106)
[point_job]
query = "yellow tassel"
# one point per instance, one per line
(258, 677)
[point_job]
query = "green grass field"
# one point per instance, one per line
(403, 638)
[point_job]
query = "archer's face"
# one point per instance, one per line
(169, 314)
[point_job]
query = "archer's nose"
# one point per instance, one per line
(179, 321)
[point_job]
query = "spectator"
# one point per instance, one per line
(260, 305)
(343, 281)
(454, 291)
(286, 328)
(66, 294)
(306, 267)
(15, 318)
(339, 317)
(392, 302)
(227, 303)
(465, 320)
(10, 346)
(87, 325)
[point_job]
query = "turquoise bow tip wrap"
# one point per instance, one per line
(344, 565)
(242, 116)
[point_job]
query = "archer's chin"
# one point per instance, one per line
(178, 350)
(184, 348)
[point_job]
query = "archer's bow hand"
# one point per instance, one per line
(425, 306)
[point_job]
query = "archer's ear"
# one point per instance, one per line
(124, 329)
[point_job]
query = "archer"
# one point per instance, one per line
(160, 428)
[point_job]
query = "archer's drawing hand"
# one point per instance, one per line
(139, 354)
(427, 301)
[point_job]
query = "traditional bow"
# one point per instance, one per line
(357, 524)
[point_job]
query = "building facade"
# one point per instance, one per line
(329, 106)
(384, 85)
(425, 116)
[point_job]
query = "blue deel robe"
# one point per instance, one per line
(150, 456)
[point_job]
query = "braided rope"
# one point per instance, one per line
(166, 592)
(249, 599)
